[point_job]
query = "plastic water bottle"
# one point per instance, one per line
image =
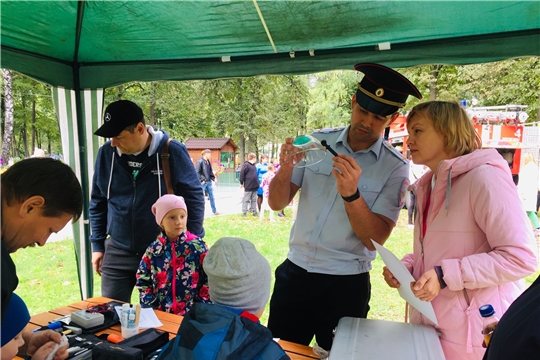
(489, 322)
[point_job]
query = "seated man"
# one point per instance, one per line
(239, 281)
(39, 197)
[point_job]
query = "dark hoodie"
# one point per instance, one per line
(121, 206)
(248, 177)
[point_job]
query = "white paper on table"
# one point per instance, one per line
(147, 319)
(405, 278)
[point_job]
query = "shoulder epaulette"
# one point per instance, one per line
(329, 130)
(394, 152)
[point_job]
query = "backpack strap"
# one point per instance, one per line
(165, 156)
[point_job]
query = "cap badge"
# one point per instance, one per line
(379, 92)
(107, 117)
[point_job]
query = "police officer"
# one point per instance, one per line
(346, 201)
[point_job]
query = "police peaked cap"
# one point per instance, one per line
(383, 91)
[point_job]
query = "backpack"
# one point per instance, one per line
(214, 332)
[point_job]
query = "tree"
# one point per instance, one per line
(330, 98)
(8, 124)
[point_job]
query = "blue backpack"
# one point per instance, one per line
(214, 332)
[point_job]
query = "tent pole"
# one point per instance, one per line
(85, 262)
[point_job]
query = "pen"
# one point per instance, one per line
(52, 326)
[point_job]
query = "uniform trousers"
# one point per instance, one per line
(305, 304)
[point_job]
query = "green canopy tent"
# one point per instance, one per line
(82, 47)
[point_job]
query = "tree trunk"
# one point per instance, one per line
(33, 125)
(242, 149)
(8, 126)
(24, 139)
(433, 82)
(152, 115)
(119, 90)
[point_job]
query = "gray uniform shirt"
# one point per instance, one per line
(322, 239)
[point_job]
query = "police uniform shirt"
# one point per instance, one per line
(322, 239)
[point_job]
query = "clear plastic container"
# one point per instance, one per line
(489, 322)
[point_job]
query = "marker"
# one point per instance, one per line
(52, 326)
(328, 147)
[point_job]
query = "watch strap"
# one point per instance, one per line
(353, 197)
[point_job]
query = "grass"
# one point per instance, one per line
(48, 275)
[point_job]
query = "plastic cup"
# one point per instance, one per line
(129, 332)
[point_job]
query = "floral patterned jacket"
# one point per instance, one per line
(182, 257)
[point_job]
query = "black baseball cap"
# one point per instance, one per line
(382, 90)
(118, 116)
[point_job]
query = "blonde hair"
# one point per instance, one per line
(451, 122)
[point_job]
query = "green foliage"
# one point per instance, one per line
(26, 91)
(330, 98)
(262, 110)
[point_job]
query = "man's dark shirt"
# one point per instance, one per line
(9, 279)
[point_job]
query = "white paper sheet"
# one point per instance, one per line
(405, 278)
(148, 318)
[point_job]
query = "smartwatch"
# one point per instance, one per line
(353, 197)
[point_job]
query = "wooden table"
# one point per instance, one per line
(170, 323)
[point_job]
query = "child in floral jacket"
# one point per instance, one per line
(169, 277)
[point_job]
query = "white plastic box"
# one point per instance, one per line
(87, 319)
(357, 338)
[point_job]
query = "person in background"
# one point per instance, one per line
(170, 276)
(275, 162)
(39, 197)
(207, 177)
(463, 255)
(16, 319)
(262, 168)
(239, 279)
(250, 182)
(267, 178)
(128, 179)
(346, 201)
(528, 189)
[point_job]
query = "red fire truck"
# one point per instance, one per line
(499, 127)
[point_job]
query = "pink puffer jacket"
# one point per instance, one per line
(478, 232)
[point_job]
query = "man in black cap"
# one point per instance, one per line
(128, 179)
(346, 200)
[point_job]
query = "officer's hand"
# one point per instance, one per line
(97, 261)
(289, 154)
(347, 173)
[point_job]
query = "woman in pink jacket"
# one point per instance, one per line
(472, 240)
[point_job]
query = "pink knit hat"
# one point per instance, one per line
(167, 203)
